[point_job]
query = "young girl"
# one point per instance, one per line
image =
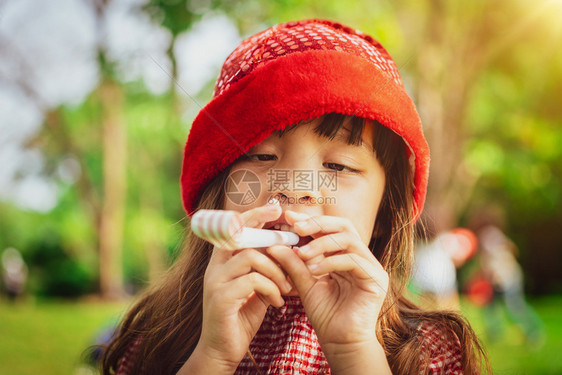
(311, 117)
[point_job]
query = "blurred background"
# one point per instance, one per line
(96, 101)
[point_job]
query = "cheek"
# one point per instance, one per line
(359, 203)
(369, 221)
(245, 189)
(231, 188)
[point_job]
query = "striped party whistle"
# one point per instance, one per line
(225, 229)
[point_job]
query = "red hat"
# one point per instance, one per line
(292, 72)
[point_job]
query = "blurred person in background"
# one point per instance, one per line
(14, 273)
(435, 268)
(499, 266)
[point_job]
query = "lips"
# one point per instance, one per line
(304, 240)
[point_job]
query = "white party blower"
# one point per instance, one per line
(225, 229)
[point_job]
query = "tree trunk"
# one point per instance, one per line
(447, 70)
(114, 181)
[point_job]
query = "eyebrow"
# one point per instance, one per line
(345, 138)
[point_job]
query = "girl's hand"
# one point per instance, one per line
(340, 282)
(238, 288)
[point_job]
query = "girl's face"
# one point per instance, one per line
(311, 174)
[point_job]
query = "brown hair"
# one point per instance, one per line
(168, 317)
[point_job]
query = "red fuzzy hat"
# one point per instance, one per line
(292, 72)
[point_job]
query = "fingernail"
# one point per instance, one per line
(302, 224)
(273, 203)
(304, 249)
(313, 267)
(288, 286)
(300, 216)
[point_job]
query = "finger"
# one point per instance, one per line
(257, 217)
(319, 224)
(249, 260)
(293, 217)
(219, 256)
(242, 288)
(254, 218)
(316, 259)
(360, 268)
(294, 266)
(331, 243)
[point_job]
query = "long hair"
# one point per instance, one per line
(168, 316)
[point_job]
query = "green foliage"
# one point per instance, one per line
(514, 144)
(54, 272)
(175, 15)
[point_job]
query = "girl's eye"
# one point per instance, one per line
(262, 157)
(338, 167)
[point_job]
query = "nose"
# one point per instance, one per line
(293, 199)
(293, 187)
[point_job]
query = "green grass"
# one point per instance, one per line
(511, 354)
(49, 337)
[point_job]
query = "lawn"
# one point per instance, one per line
(511, 355)
(49, 337)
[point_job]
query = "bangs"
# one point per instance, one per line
(331, 124)
(388, 146)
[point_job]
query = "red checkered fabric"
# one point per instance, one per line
(441, 351)
(287, 344)
(301, 36)
(127, 362)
